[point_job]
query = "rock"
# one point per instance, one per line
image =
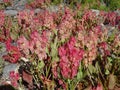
(9, 8)
(11, 12)
(53, 8)
(8, 68)
(1, 1)
(37, 10)
(110, 29)
(118, 12)
(96, 11)
(17, 3)
(21, 7)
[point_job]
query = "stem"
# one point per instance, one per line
(103, 78)
(48, 70)
(90, 77)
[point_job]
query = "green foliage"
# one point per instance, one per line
(94, 4)
(114, 4)
(80, 74)
(55, 2)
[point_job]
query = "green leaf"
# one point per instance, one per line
(55, 59)
(107, 72)
(47, 51)
(91, 68)
(54, 50)
(13, 35)
(97, 67)
(109, 59)
(69, 81)
(80, 73)
(112, 81)
(41, 64)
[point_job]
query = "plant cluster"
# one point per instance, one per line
(64, 50)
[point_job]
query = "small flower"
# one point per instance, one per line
(12, 74)
(25, 18)
(36, 44)
(14, 77)
(63, 84)
(103, 45)
(8, 44)
(70, 56)
(107, 52)
(112, 18)
(62, 51)
(99, 87)
(66, 25)
(13, 52)
(23, 44)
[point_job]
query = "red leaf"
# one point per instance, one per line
(27, 77)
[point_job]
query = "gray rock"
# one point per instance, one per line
(9, 8)
(17, 3)
(1, 0)
(10, 12)
(110, 29)
(118, 12)
(96, 11)
(21, 7)
(8, 68)
(53, 8)
(37, 10)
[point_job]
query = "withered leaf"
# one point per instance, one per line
(27, 77)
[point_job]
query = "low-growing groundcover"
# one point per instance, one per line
(70, 49)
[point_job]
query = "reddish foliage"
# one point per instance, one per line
(2, 18)
(13, 52)
(14, 77)
(27, 77)
(70, 56)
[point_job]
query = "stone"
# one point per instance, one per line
(118, 12)
(37, 10)
(21, 7)
(96, 11)
(9, 8)
(53, 8)
(8, 68)
(17, 3)
(11, 12)
(1, 1)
